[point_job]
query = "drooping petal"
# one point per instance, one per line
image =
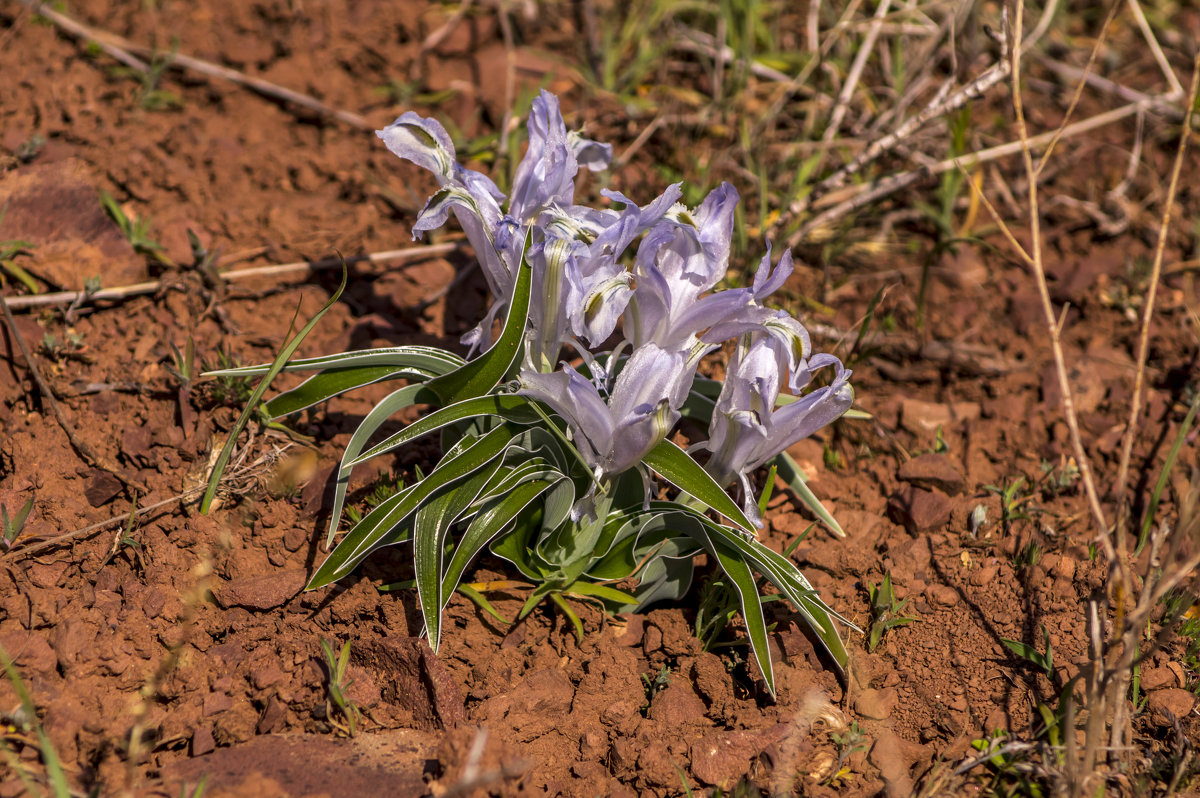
(423, 141)
(576, 399)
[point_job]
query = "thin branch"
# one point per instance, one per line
(1035, 252)
(1135, 404)
(852, 77)
(121, 49)
(123, 292)
(1159, 56)
(856, 197)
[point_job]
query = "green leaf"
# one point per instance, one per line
(790, 473)
(677, 467)
(430, 527)
(483, 373)
(752, 613)
(603, 592)
(387, 407)
(485, 527)
(422, 358)
(482, 602)
(332, 382)
(508, 406)
(252, 403)
(365, 538)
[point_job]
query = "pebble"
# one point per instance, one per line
(931, 470)
(942, 596)
(921, 418)
(876, 704)
(919, 510)
(1168, 704)
(261, 592)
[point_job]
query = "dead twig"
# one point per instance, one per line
(122, 49)
(123, 292)
(1135, 404)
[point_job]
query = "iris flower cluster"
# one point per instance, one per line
(640, 275)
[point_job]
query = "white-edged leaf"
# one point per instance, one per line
(789, 471)
(424, 358)
(677, 467)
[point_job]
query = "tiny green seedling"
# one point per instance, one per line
(1028, 556)
(886, 612)
(848, 742)
(655, 683)
(1042, 661)
(14, 525)
(136, 231)
(337, 685)
(1011, 500)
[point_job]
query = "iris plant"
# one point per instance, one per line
(555, 433)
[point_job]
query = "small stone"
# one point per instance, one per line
(932, 470)
(202, 741)
(1157, 679)
(921, 418)
(678, 705)
(266, 676)
(216, 702)
(722, 757)
(942, 596)
(273, 718)
(876, 704)
(102, 487)
(985, 575)
(261, 592)
(919, 510)
(1169, 704)
(294, 538)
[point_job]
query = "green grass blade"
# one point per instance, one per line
(602, 592)
(677, 467)
(252, 403)
(483, 373)
(509, 406)
(482, 602)
(54, 771)
(789, 471)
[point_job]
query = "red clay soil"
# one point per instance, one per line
(192, 633)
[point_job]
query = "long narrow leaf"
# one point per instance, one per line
(252, 403)
(430, 528)
(678, 468)
(751, 602)
(425, 358)
(790, 473)
(357, 545)
(333, 382)
(387, 407)
(485, 527)
(508, 406)
(482, 374)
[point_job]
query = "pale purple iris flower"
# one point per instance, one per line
(544, 184)
(748, 429)
(613, 435)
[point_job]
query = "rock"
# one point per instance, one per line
(1170, 704)
(985, 575)
(1156, 679)
(886, 754)
(922, 418)
(410, 677)
(876, 704)
(273, 717)
(261, 593)
(919, 510)
(932, 470)
(677, 706)
(202, 741)
(102, 487)
(722, 757)
(54, 206)
(942, 596)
